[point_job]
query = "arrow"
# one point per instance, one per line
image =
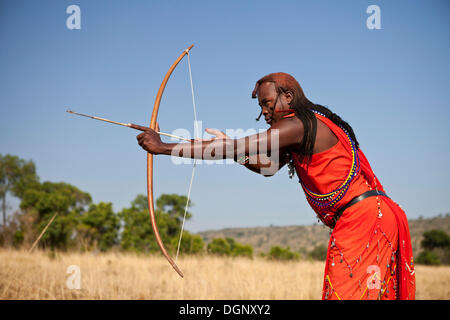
(129, 125)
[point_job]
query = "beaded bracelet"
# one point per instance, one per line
(243, 160)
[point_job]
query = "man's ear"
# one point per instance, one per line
(289, 97)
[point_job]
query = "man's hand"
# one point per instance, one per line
(150, 141)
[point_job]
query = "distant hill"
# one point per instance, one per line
(301, 238)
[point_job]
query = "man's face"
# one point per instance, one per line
(269, 100)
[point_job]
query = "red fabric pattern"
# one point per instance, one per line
(369, 253)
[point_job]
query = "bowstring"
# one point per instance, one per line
(196, 135)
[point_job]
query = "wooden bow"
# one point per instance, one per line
(150, 197)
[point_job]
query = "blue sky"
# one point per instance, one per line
(392, 85)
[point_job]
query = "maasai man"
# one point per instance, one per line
(369, 252)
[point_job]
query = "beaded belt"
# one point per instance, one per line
(365, 195)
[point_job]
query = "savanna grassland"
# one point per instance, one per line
(43, 275)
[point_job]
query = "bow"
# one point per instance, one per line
(150, 197)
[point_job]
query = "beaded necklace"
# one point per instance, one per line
(330, 199)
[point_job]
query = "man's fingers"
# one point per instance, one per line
(140, 138)
(219, 134)
(138, 127)
(212, 131)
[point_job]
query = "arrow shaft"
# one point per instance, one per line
(129, 125)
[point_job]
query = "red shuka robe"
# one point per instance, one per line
(369, 252)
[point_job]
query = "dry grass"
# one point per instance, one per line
(41, 275)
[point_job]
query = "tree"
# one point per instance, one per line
(67, 201)
(99, 227)
(16, 176)
(137, 232)
(435, 239)
(173, 206)
(436, 245)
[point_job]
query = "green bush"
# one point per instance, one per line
(229, 247)
(18, 238)
(190, 244)
(319, 253)
(429, 258)
(219, 246)
(242, 250)
(436, 245)
(435, 239)
(279, 253)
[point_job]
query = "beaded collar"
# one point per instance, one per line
(321, 201)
